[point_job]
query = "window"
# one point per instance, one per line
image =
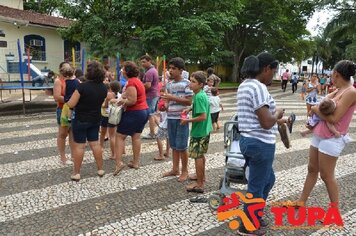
(37, 46)
(68, 45)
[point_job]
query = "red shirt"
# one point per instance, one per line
(141, 103)
(63, 88)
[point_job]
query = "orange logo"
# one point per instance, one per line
(229, 210)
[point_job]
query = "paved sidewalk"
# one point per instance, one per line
(36, 102)
(38, 198)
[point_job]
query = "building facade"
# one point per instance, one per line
(39, 37)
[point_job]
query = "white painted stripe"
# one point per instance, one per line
(50, 163)
(29, 202)
(32, 122)
(349, 228)
(29, 131)
(192, 217)
(224, 116)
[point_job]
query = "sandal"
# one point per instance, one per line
(133, 166)
(193, 177)
(284, 132)
(159, 158)
(118, 169)
(291, 121)
(198, 199)
(294, 204)
(195, 189)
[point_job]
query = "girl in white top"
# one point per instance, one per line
(162, 133)
(215, 108)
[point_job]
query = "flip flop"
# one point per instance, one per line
(118, 170)
(169, 173)
(159, 159)
(193, 178)
(198, 199)
(284, 132)
(195, 189)
(133, 166)
(291, 121)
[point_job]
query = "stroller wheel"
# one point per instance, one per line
(222, 181)
(215, 201)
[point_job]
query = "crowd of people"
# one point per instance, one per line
(84, 103)
(173, 103)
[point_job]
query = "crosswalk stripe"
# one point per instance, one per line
(49, 163)
(193, 216)
(52, 128)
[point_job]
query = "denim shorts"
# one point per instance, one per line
(178, 134)
(132, 122)
(331, 146)
(152, 104)
(83, 131)
(104, 122)
(58, 115)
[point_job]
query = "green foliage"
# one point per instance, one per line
(275, 26)
(43, 6)
(340, 32)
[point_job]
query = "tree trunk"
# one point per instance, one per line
(236, 67)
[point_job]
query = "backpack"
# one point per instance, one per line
(294, 79)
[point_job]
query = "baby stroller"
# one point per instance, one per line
(235, 165)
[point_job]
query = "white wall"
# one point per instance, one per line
(54, 44)
(18, 4)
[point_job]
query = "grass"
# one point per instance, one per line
(229, 85)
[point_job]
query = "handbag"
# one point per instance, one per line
(115, 114)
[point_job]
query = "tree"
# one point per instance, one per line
(191, 29)
(102, 24)
(274, 26)
(48, 7)
(340, 31)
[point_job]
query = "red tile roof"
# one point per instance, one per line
(33, 17)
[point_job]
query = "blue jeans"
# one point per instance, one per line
(259, 157)
(177, 134)
(152, 104)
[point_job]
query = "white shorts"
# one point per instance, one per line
(331, 146)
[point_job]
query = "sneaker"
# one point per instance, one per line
(101, 173)
(75, 177)
(257, 232)
(284, 132)
(149, 136)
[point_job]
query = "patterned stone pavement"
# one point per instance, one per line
(38, 198)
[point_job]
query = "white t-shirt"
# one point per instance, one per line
(163, 120)
(214, 104)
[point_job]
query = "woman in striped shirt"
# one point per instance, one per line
(257, 120)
